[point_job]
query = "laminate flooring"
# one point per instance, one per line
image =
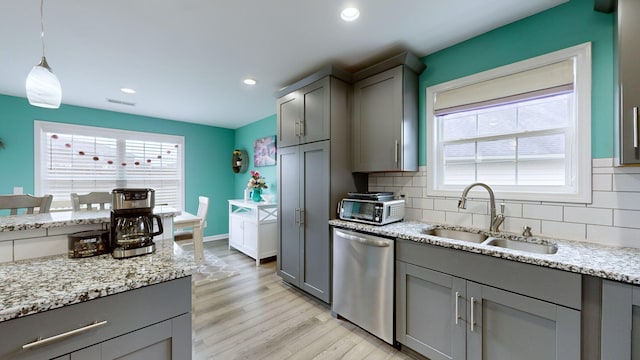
(255, 315)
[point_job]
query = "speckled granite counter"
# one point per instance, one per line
(66, 218)
(607, 262)
(35, 285)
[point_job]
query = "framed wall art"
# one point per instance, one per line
(264, 151)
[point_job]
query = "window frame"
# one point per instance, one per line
(580, 191)
(41, 126)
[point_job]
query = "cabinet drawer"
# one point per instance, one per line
(123, 313)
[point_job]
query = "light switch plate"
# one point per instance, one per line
(17, 190)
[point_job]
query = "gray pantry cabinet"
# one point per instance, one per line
(628, 91)
(620, 337)
(152, 322)
(313, 175)
(456, 305)
(385, 116)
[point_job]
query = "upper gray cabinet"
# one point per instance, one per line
(628, 92)
(304, 108)
(385, 116)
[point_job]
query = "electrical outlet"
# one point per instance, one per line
(17, 190)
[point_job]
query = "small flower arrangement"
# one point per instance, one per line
(256, 181)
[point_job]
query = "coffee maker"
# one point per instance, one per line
(132, 222)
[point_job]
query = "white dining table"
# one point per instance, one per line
(188, 220)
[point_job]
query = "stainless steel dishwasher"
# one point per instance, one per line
(363, 274)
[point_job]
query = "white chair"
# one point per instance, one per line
(26, 202)
(100, 199)
(186, 226)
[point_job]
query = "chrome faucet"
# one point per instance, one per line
(496, 219)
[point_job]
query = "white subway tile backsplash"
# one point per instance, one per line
(445, 204)
(542, 212)
(626, 218)
(433, 216)
(456, 218)
(626, 182)
(616, 236)
(563, 230)
(613, 217)
(602, 182)
(588, 215)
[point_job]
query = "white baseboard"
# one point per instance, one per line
(215, 237)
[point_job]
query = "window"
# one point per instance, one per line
(524, 129)
(80, 159)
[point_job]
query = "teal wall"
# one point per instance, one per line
(564, 26)
(207, 151)
(244, 139)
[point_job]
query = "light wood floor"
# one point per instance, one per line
(254, 315)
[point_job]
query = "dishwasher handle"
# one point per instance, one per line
(364, 241)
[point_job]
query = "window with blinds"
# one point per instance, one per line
(81, 159)
(524, 129)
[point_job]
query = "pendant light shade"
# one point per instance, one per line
(43, 87)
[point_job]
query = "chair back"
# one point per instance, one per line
(203, 208)
(27, 202)
(87, 201)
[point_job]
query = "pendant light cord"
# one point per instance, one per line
(42, 25)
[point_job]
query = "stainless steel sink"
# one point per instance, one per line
(456, 234)
(523, 246)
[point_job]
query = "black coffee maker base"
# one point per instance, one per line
(127, 253)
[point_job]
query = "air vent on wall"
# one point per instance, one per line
(121, 102)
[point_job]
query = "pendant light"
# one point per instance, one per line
(43, 87)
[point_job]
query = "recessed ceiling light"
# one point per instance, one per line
(350, 14)
(127, 90)
(249, 81)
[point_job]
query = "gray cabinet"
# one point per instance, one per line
(628, 92)
(154, 318)
(385, 117)
(442, 313)
(620, 337)
(304, 115)
(312, 177)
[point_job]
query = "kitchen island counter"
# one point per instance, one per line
(39, 284)
(607, 262)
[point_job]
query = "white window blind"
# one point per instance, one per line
(524, 129)
(81, 159)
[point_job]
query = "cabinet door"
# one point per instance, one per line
(250, 239)
(620, 336)
(315, 250)
(236, 231)
(430, 312)
(377, 122)
(289, 119)
(316, 111)
(629, 80)
(503, 326)
(288, 257)
(153, 342)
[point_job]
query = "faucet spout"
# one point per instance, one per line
(496, 219)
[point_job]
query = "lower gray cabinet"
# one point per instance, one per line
(152, 322)
(444, 316)
(620, 336)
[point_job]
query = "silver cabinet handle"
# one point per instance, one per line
(635, 127)
(473, 318)
(301, 128)
(395, 149)
(297, 128)
(364, 241)
(296, 216)
(457, 309)
(40, 342)
(302, 216)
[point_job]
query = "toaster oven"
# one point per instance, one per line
(373, 212)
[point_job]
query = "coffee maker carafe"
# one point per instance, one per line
(132, 222)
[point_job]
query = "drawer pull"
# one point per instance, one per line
(40, 341)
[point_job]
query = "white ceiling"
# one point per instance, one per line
(187, 58)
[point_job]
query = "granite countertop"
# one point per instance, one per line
(40, 284)
(607, 262)
(65, 218)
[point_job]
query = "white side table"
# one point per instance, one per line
(253, 228)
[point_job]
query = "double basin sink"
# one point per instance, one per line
(501, 242)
